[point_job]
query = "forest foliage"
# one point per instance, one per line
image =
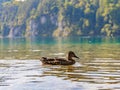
(59, 18)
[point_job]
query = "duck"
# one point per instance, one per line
(60, 61)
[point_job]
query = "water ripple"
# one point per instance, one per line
(26, 74)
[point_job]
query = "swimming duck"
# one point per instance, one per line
(60, 61)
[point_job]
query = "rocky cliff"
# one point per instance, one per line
(59, 18)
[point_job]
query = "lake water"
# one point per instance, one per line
(97, 69)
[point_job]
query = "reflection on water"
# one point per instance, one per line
(100, 73)
(97, 68)
(86, 48)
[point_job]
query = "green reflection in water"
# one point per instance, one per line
(33, 48)
(97, 67)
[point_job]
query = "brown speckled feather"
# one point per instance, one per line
(57, 61)
(60, 61)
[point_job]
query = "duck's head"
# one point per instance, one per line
(72, 54)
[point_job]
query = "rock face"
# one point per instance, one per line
(43, 26)
(59, 18)
(13, 31)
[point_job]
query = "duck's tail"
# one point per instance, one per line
(43, 59)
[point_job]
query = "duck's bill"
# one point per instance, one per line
(76, 57)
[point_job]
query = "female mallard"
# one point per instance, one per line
(60, 61)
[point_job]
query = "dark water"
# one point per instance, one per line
(97, 69)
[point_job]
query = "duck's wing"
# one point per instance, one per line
(56, 61)
(53, 61)
(64, 61)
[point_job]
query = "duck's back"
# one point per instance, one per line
(57, 61)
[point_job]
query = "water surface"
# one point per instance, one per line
(98, 66)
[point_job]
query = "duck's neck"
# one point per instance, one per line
(69, 57)
(71, 60)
